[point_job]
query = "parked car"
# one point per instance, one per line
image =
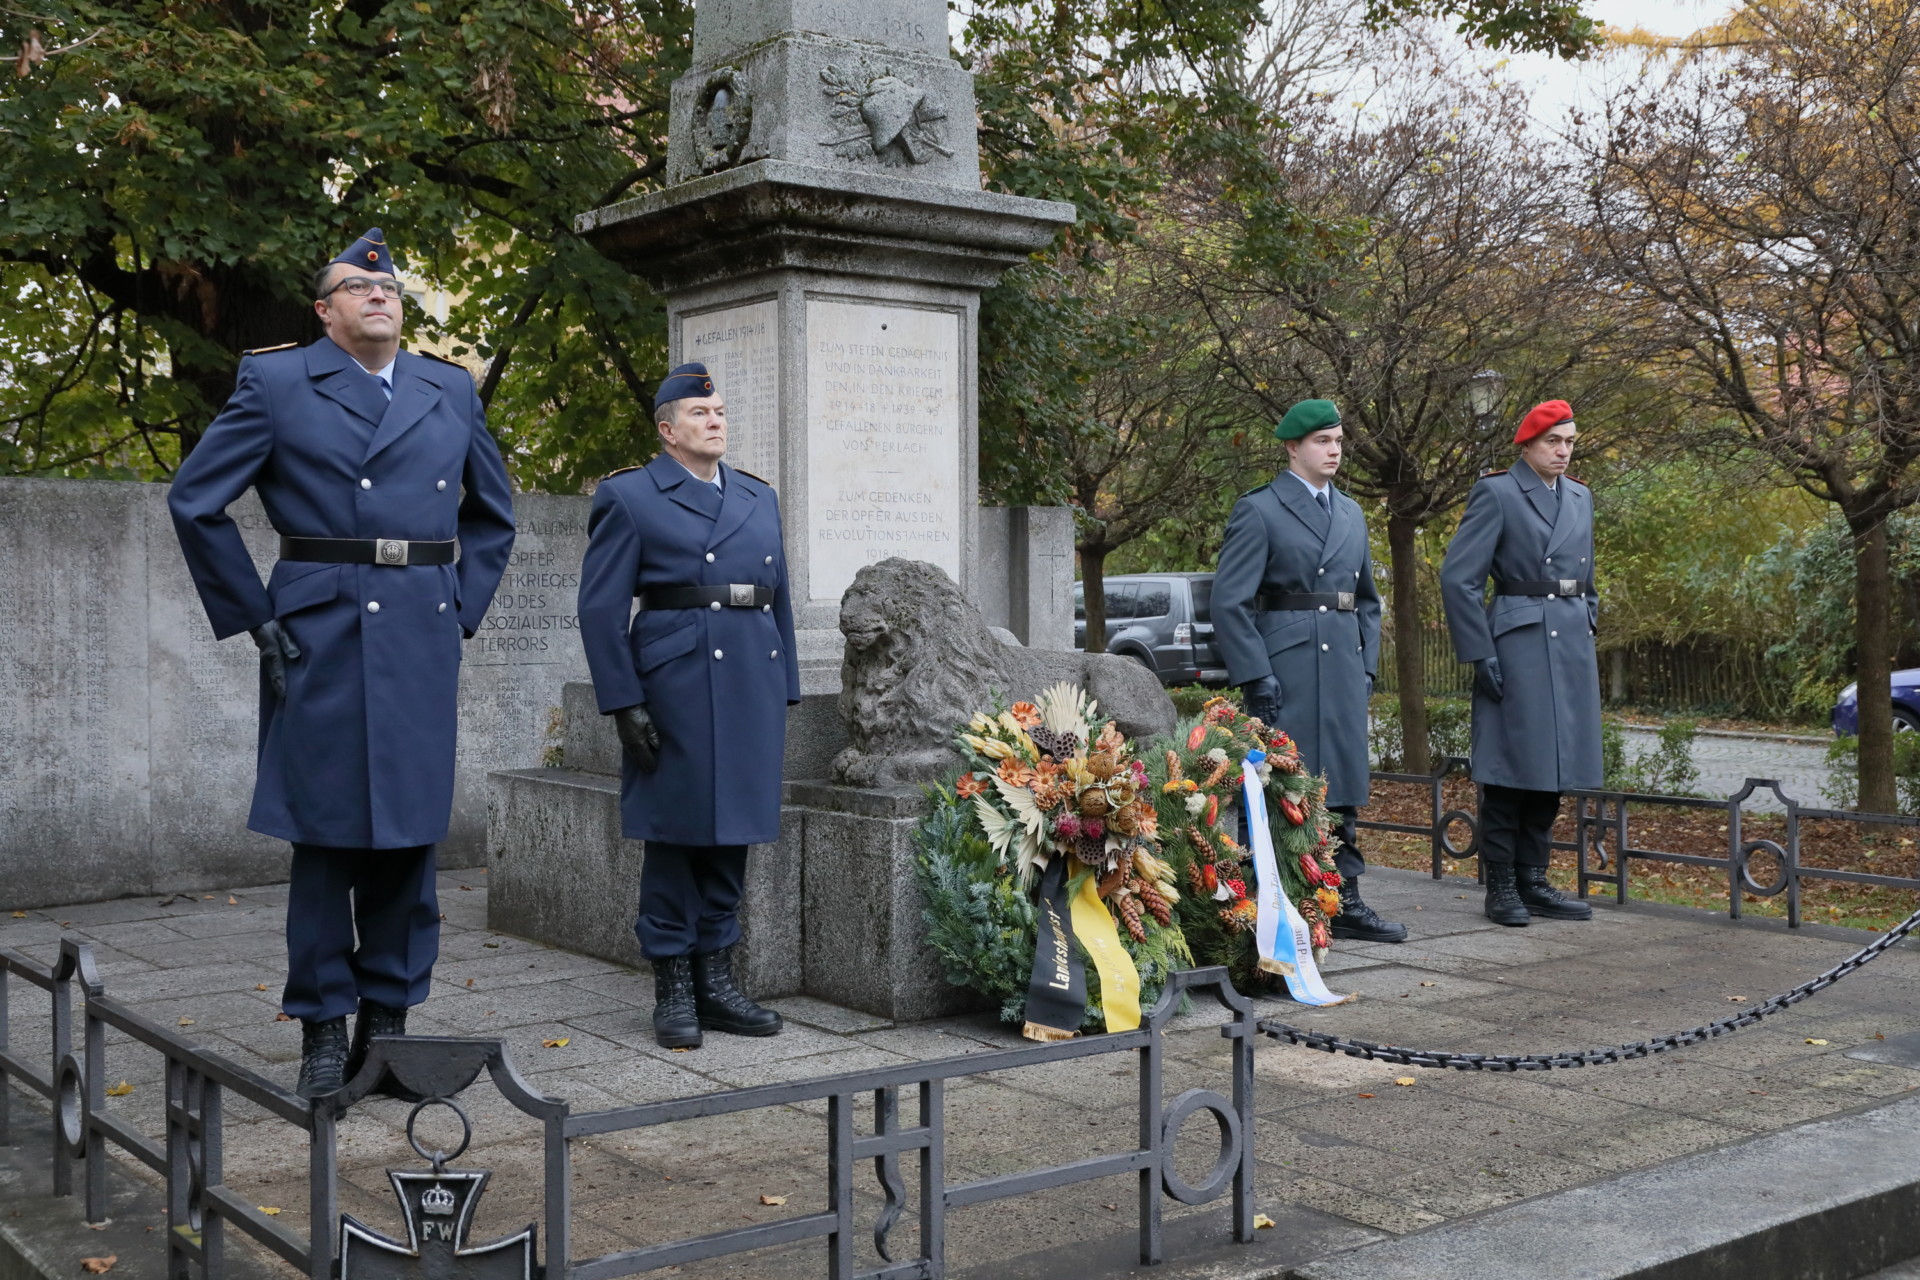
(1906, 705)
(1162, 621)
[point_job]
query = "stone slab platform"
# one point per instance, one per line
(1347, 1157)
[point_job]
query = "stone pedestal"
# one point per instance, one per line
(822, 251)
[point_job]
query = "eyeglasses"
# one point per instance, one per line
(360, 287)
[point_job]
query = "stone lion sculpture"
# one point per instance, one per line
(920, 661)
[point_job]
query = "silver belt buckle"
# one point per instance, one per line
(392, 551)
(1569, 586)
(740, 595)
(1345, 602)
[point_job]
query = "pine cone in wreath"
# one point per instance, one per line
(1128, 908)
(1156, 904)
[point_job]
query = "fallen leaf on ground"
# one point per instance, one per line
(186, 1022)
(494, 946)
(120, 1090)
(99, 1266)
(283, 1017)
(1261, 1220)
(775, 1200)
(1427, 984)
(19, 915)
(206, 897)
(1113, 1208)
(271, 1210)
(469, 981)
(680, 1051)
(1811, 1040)
(232, 901)
(1737, 999)
(1363, 1095)
(1404, 1081)
(467, 887)
(1879, 1035)
(259, 986)
(560, 1043)
(98, 1226)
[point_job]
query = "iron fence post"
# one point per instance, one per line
(6, 1089)
(323, 1204)
(1792, 869)
(96, 1103)
(1152, 1247)
(933, 1178)
(1736, 863)
(62, 997)
(559, 1199)
(840, 1185)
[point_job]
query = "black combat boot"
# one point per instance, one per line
(1503, 897)
(1542, 899)
(723, 1006)
(323, 1057)
(676, 1024)
(378, 1020)
(1361, 922)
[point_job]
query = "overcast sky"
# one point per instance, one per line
(1555, 85)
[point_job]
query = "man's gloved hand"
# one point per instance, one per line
(639, 737)
(1487, 678)
(1369, 688)
(277, 649)
(1261, 698)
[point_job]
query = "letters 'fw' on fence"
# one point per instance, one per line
(437, 1202)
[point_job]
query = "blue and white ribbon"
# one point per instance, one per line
(1283, 936)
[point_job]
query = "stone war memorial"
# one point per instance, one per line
(821, 247)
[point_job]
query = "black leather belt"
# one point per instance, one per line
(382, 551)
(1341, 600)
(732, 595)
(1559, 587)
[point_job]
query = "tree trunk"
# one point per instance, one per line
(1874, 641)
(1409, 664)
(1093, 584)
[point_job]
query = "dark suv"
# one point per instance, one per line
(1162, 620)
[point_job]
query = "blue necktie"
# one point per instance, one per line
(1321, 498)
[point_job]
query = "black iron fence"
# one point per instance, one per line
(438, 1201)
(1604, 838)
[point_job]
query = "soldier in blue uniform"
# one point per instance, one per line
(698, 682)
(395, 519)
(1297, 615)
(1536, 681)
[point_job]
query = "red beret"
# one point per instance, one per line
(1542, 418)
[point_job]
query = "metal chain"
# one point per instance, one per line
(1445, 1058)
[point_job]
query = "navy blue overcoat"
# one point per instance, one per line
(1544, 733)
(1279, 541)
(717, 682)
(360, 754)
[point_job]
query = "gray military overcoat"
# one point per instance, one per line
(1544, 734)
(1280, 541)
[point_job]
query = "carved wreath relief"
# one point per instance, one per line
(884, 116)
(722, 119)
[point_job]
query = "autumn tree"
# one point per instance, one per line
(1760, 211)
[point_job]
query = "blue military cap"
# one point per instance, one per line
(687, 380)
(369, 253)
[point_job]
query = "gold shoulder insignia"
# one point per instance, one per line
(622, 471)
(749, 475)
(260, 351)
(1582, 483)
(1490, 472)
(444, 360)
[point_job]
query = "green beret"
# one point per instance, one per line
(1306, 418)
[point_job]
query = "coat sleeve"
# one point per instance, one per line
(1463, 574)
(783, 612)
(1236, 582)
(229, 457)
(606, 601)
(486, 521)
(1367, 597)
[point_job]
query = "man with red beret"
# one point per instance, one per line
(1536, 681)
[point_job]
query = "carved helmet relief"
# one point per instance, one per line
(722, 120)
(883, 116)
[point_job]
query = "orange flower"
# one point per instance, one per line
(1017, 773)
(1198, 736)
(1027, 714)
(970, 785)
(1148, 820)
(1329, 900)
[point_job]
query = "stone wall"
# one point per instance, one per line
(127, 733)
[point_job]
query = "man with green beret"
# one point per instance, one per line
(1297, 616)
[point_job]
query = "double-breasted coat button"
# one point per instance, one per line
(774, 654)
(442, 608)
(373, 606)
(769, 560)
(439, 486)
(709, 557)
(1323, 648)
(1322, 569)
(1553, 635)
(714, 606)
(718, 654)
(365, 483)
(1549, 559)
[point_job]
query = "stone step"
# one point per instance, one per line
(1830, 1200)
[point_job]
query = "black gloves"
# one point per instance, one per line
(1369, 688)
(1261, 698)
(1487, 678)
(639, 737)
(277, 649)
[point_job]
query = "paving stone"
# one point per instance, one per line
(810, 1012)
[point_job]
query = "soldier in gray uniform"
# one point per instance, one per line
(1536, 681)
(1297, 615)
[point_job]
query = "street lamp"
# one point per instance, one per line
(1484, 390)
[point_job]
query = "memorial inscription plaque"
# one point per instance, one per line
(883, 439)
(740, 347)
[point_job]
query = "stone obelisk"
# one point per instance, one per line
(822, 247)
